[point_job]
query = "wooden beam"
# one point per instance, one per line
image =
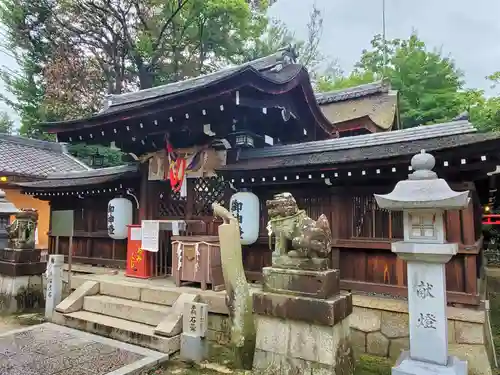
(402, 291)
(143, 193)
(98, 261)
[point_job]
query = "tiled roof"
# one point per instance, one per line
(352, 92)
(276, 75)
(265, 65)
(35, 158)
(364, 147)
(82, 178)
(396, 136)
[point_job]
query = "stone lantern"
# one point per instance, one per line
(423, 198)
(6, 210)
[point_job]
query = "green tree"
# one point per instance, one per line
(6, 123)
(150, 42)
(487, 116)
(337, 81)
(427, 81)
(484, 112)
(83, 152)
(26, 29)
(276, 36)
(72, 53)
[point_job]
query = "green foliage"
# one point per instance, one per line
(71, 53)
(486, 116)
(6, 123)
(276, 36)
(29, 97)
(371, 365)
(84, 152)
(485, 112)
(331, 82)
(427, 81)
(26, 25)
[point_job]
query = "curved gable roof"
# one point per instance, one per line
(275, 74)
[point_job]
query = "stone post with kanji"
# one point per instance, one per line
(423, 198)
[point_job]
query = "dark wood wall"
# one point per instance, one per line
(363, 234)
(91, 243)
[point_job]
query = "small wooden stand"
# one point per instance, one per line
(197, 259)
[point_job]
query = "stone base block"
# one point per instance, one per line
(407, 366)
(20, 256)
(22, 269)
(193, 348)
(314, 284)
(291, 347)
(21, 293)
(310, 264)
(327, 312)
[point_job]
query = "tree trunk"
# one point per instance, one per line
(238, 299)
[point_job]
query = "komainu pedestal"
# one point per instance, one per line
(21, 281)
(301, 315)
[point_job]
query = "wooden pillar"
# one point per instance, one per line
(143, 193)
(89, 215)
(335, 222)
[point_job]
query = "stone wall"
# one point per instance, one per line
(21, 293)
(219, 328)
(379, 326)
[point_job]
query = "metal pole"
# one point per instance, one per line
(70, 261)
(384, 43)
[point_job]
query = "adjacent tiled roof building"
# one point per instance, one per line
(362, 148)
(61, 180)
(373, 101)
(21, 156)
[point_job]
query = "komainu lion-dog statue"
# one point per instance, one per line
(309, 238)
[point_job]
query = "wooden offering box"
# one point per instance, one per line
(197, 259)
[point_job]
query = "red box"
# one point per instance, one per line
(138, 260)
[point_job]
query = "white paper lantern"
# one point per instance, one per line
(120, 214)
(245, 207)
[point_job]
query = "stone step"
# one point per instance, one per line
(131, 310)
(140, 292)
(118, 329)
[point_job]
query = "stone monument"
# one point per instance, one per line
(301, 313)
(54, 276)
(423, 198)
(194, 346)
(20, 267)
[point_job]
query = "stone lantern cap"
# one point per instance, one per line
(5, 206)
(423, 190)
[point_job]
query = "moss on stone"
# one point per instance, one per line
(367, 365)
(493, 295)
(371, 365)
(26, 300)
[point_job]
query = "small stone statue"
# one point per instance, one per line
(309, 238)
(22, 230)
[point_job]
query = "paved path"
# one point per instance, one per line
(49, 349)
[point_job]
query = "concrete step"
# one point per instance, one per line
(119, 329)
(131, 310)
(139, 292)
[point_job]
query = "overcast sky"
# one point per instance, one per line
(467, 30)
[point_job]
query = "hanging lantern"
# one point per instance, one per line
(96, 160)
(120, 214)
(243, 139)
(245, 206)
